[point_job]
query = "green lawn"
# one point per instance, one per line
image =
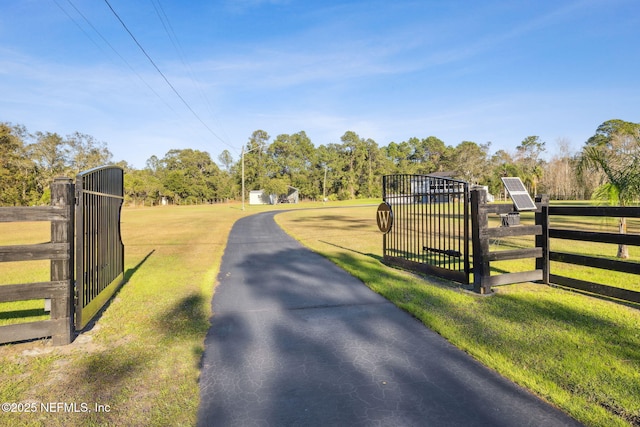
(141, 358)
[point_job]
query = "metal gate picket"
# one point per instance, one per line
(430, 232)
(99, 247)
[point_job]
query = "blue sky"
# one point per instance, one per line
(479, 71)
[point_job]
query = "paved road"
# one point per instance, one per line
(296, 341)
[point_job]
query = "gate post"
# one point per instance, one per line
(384, 199)
(62, 195)
(542, 240)
(480, 242)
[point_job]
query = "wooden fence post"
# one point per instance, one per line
(480, 241)
(62, 195)
(542, 240)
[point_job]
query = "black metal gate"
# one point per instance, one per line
(99, 248)
(430, 231)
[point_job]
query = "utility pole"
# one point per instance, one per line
(242, 177)
(243, 151)
(324, 185)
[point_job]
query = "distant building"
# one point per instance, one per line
(258, 197)
(437, 187)
(291, 197)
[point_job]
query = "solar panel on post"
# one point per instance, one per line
(519, 194)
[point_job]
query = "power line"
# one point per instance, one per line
(77, 24)
(108, 44)
(164, 77)
(168, 28)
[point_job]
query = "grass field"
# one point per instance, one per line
(141, 357)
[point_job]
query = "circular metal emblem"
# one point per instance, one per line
(384, 217)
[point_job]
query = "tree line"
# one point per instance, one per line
(30, 162)
(607, 166)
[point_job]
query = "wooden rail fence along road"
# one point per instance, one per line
(85, 240)
(58, 292)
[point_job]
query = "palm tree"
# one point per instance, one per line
(617, 155)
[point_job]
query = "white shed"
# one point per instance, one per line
(257, 197)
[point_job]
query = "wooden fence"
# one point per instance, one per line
(482, 235)
(59, 290)
(543, 251)
(589, 261)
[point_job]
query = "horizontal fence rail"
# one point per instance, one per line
(543, 251)
(60, 251)
(40, 251)
(482, 235)
(593, 261)
(85, 240)
(33, 213)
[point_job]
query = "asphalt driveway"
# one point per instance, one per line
(296, 341)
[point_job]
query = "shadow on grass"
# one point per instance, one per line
(130, 272)
(337, 222)
(105, 376)
(23, 314)
(512, 308)
(101, 378)
(187, 319)
(104, 371)
(622, 342)
(374, 256)
(127, 276)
